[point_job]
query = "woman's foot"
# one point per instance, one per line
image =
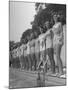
(63, 76)
(54, 74)
(50, 73)
(59, 74)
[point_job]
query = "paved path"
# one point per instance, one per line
(25, 79)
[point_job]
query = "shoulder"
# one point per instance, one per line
(59, 23)
(27, 44)
(31, 42)
(37, 40)
(24, 46)
(41, 36)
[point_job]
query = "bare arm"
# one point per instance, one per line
(49, 32)
(39, 64)
(61, 31)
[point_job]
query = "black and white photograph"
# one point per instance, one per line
(37, 44)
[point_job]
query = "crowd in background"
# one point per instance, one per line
(40, 48)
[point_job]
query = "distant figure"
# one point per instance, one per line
(10, 59)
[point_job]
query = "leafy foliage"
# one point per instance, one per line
(48, 12)
(24, 39)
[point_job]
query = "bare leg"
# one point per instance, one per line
(59, 61)
(29, 60)
(45, 68)
(37, 55)
(51, 57)
(31, 55)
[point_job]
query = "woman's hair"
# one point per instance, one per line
(31, 33)
(62, 19)
(59, 17)
(45, 28)
(36, 31)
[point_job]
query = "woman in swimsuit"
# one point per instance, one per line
(58, 42)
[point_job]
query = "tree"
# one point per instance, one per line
(24, 39)
(59, 9)
(13, 45)
(48, 12)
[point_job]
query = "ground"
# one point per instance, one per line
(28, 79)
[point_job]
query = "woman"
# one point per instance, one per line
(32, 51)
(28, 52)
(49, 45)
(21, 56)
(42, 49)
(58, 42)
(25, 57)
(37, 48)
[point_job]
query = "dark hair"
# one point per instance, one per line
(58, 19)
(61, 18)
(50, 26)
(37, 30)
(44, 30)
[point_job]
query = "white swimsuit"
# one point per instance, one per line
(42, 43)
(49, 40)
(25, 50)
(28, 48)
(58, 34)
(37, 46)
(32, 46)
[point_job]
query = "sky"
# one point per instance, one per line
(20, 16)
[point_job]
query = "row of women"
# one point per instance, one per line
(43, 47)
